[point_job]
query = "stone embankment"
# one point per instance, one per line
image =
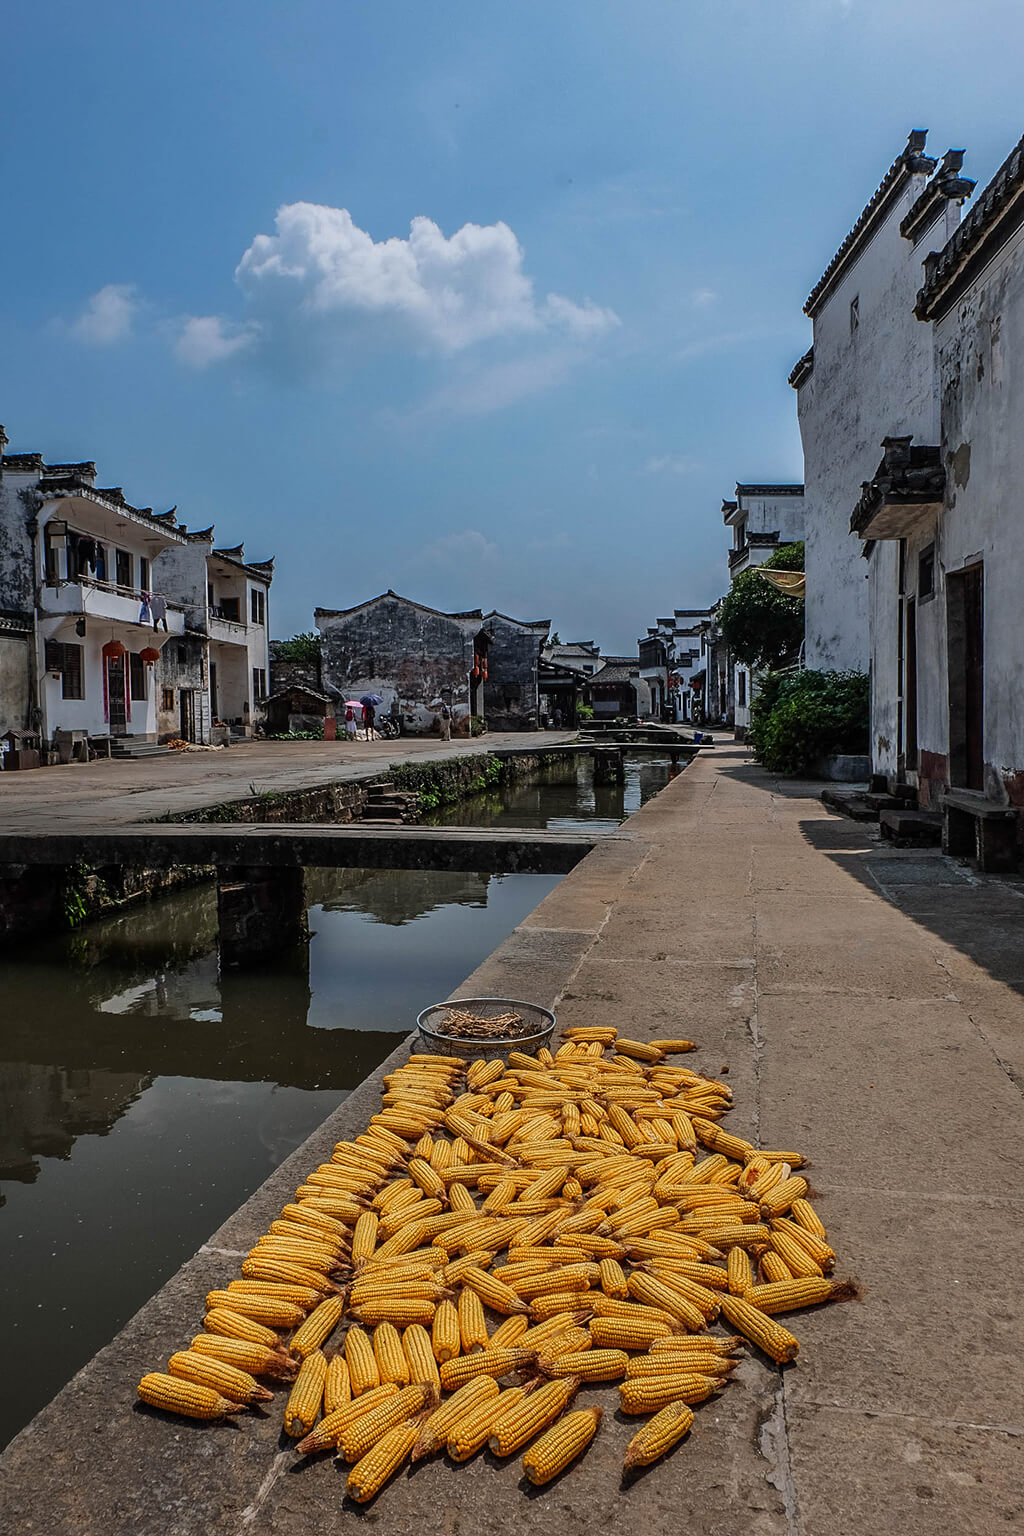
(866, 1005)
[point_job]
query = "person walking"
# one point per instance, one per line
(370, 720)
(350, 723)
(446, 723)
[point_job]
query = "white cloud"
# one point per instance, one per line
(108, 315)
(468, 546)
(441, 293)
(669, 464)
(703, 298)
(207, 339)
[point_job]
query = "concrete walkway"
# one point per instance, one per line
(862, 1020)
(114, 792)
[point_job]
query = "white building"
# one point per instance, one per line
(78, 567)
(943, 511)
(227, 614)
(681, 636)
(763, 518)
(868, 375)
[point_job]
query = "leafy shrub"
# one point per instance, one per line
(304, 647)
(798, 717)
(760, 624)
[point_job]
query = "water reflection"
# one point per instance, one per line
(564, 798)
(144, 1095)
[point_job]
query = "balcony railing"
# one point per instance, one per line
(89, 596)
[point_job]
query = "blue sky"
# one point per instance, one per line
(491, 303)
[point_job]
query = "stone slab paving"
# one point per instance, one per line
(116, 792)
(883, 1041)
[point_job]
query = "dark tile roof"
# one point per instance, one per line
(340, 613)
(998, 212)
(616, 671)
(263, 570)
(946, 186)
(803, 369)
(910, 161)
(908, 475)
(769, 490)
(13, 622)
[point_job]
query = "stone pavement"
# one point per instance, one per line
(115, 792)
(868, 1007)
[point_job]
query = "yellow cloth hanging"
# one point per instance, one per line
(793, 583)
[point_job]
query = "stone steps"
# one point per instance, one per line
(911, 829)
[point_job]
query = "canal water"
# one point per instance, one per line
(563, 798)
(144, 1096)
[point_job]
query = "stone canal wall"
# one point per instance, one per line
(35, 901)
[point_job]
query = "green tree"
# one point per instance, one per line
(760, 624)
(305, 647)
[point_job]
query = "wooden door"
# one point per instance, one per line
(910, 683)
(965, 639)
(116, 696)
(974, 678)
(187, 714)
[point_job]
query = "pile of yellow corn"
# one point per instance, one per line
(567, 1194)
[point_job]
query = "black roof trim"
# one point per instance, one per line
(906, 476)
(769, 490)
(997, 214)
(946, 186)
(803, 370)
(910, 161)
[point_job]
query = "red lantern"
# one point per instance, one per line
(150, 655)
(113, 648)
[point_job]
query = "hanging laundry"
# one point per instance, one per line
(145, 614)
(158, 608)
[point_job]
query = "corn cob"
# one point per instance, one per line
(739, 1271)
(638, 1050)
(739, 1234)
(268, 1310)
(493, 1292)
(287, 1273)
(402, 1311)
(312, 1218)
(810, 1242)
(778, 1200)
(806, 1216)
(541, 1333)
(255, 1359)
(509, 1332)
(789, 1295)
(613, 1279)
(561, 1444)
(624, 1333)
(327, 1433)
(206, 1370)
(532, 1415)
(307, 1395)
(649, 1394)
(420, 1357)
(705, 1300)
(298, 1295)
(673, 1047)
(235, 1325)
(364, 1238)
(460, 1199)
(546, 1307)
(591, 1364)
(774, 1269)
(318, 1327)
(472, 1322)
(666, 1362)
(487, 1362)
(300, 1232)
(655, 1293)
(174, 1395)
(434, 1433)
(567, 1277)
(360, 1434)
(795, 1256)
(389, 1355)
(361, 1361)
(374, 1469)
(445, 1337)
(754, 1324)
(658, 1435)
(473, 1431)
(337, 1386)
(570, 1342)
